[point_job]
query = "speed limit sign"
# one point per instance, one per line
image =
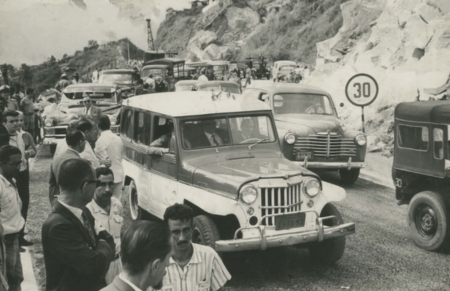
(361, 90)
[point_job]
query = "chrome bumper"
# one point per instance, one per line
(263, 242)
(333, 165)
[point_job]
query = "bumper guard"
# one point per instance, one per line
(333, 165)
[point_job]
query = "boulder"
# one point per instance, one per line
(442, 5)
(386, 138)
(239, 18)
(427, 12)
(416, 34)
(198, 42)
(211, 52)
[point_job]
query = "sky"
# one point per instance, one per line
(33, 30)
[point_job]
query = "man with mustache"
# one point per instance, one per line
(192, 266)
(107, 210)
(145, 253)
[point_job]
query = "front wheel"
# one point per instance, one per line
(136, 212)
(205, 231)
(349, 177)
(428, 221)
(329, 251)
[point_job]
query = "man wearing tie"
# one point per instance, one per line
(91, 110)
(209, 128)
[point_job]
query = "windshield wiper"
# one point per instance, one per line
(259, 141)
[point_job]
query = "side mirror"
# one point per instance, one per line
(342, 104)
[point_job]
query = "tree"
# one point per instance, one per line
(25, 75)
(65, 56)
(52, 60)
(92, 44)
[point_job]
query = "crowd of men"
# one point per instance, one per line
(85, 246)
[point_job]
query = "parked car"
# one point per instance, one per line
(421, 170)
(245, 194)
(170, 69)
(259, 67)
(217, 86)
(312, 134)
(220, 69)
(105, 96)
(282, 70)
(126, 79)
(185, 85)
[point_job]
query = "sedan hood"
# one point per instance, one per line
(304, 124)
(228, 176)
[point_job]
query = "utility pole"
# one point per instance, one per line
(150, 42)
(128, 42)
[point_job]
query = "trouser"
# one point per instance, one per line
(118, 191)
(14, 273)
(23, 187)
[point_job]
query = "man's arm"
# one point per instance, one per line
(219, 274)
(68, 245)
(159, 146)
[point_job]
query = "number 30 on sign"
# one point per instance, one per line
(361, 90)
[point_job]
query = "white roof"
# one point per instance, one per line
(285, 63)
(189, 103)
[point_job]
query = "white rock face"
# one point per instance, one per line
(241, 17)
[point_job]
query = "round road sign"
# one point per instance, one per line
(361, 90)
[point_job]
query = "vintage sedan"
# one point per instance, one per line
(126, 79)
(108, 97)
(282, 70)
(312, 133)
(217, 86)
(185, 85)
(224, 160)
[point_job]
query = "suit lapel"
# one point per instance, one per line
(61, 209)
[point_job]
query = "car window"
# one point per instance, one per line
(142, 122)
(438, 143)
(92, 95)
(413, 137)
(297, 103)
(229, 89)
(116, 78)
(250, 129)
(155, 72)
(127, 123)
(162, 126)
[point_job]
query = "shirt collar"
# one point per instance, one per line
(135, 288)
(195, 259)
(71, 149)
(6, 180)
(76, 211)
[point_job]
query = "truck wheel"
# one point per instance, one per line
(136, 212)
(329, 251)
(428, 221)
(349, 177)
(52, 149)
(205, 231)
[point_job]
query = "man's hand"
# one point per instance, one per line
(164, 150)
(106, 162)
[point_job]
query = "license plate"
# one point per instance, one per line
(301, 156)
(290, 221)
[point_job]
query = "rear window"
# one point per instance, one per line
(413, 137)
(92, 95)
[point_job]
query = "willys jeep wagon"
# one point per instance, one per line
(224, 160)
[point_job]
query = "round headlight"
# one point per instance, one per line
(360, 140)
(248, 194)
(312, 187)
(48, 122)
(289, 138)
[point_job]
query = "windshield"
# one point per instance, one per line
(302, 104)
(184, 87)
(116, 78)
(155, 72)
(107, 97)
(214, 132)
(287, 68)
(234, 90)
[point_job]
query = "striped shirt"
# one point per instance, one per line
(204, 272)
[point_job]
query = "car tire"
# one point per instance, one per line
(329, 251)
(428, 221)
(349, 177)
(205, 231)
(52, 149)
(136, 212)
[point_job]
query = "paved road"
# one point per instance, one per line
(380, 256)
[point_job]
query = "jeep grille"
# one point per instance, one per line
(325, 145)
(279, 200)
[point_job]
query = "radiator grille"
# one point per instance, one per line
(325, 145)
(279, 200)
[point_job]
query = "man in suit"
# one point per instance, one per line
(77, 249)
(210, 137)
(76, 143)
(246, 132)
(91, 110)
(145, 253)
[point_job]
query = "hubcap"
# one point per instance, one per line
(426, 221)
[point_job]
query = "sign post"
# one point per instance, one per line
(361, 90)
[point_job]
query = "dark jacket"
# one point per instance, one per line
(118, 285)
(53, 188)
(72, 260)
(160, 87)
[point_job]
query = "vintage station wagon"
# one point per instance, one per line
(311, 132)
(224, 160)
(421, 170)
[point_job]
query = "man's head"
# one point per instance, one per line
(10, 120)
(151, 76)
(87, 101)
(104, 123)
(10, 160)
(89, 128)
(2, 104)
(77, 181)
(209, 126)
(75, 139)
(105, 184)
(64, 77)
(19, 121)
(146, 248)
(179, 218)
(4, 92)
(30, 92)
(247, 127)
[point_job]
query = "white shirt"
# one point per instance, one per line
(135, 288)
(76, 211)
(95, 76)
(203, 78)
(151, 82)
(87, 110)
(109, 145)
(10, 206)
(216, 137)
(205, 271)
